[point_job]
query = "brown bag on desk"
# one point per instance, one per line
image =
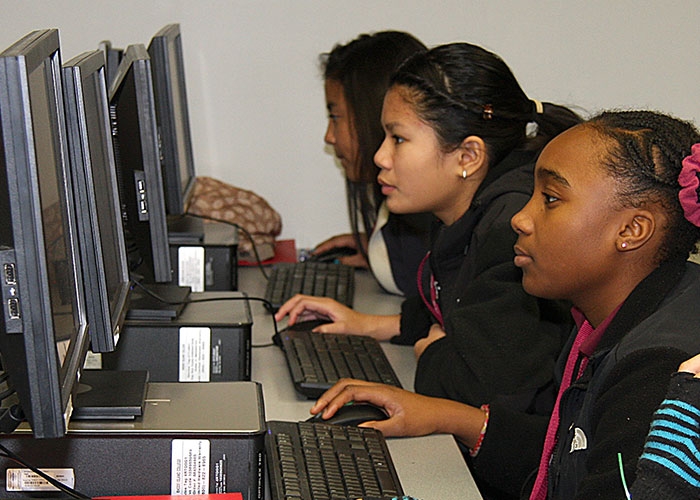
(218, 200)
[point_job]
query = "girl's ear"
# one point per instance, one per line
(472, 156)
(637, 231)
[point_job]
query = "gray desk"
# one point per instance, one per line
(430, 467)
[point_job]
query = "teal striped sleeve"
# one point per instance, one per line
(669, 466)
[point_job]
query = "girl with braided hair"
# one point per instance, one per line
(614, 216)
(460, 142)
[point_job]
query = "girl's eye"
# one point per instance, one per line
(549, 199)
(333, 117)
(398, 139)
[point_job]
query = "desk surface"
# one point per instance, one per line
(430, 467)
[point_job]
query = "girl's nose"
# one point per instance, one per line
(329, 138)
(521, 222)
(381, 156)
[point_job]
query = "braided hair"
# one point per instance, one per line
(645, 157)
(461, 89)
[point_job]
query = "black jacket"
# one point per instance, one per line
(489, 319)
(613, 402)
(607, 411)
(501, 343)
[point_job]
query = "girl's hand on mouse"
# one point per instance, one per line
(344, 319)
(306, 307)
(341, 240)
(410, 414)
(345, 240)
(355, 260)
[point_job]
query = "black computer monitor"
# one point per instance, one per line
(137, 155)
(100, 232)
(177, 159)
(44, 336)
(113, 56)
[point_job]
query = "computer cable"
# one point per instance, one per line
(163, 300)
(6, 393)
(4, 452)
(4, 376)
(11, 415)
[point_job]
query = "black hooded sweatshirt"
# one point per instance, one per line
(501, 344)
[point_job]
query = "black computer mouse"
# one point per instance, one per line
(333, 254)
(353, 414)
(308, 324)
(299, 326)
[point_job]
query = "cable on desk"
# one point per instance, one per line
(244, 231)
(54, 482)
(210, 299)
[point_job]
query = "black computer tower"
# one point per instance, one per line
(208, 342)
(207, 265)
(192, 439)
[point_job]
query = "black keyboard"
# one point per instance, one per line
(317, 361)
(313, 460)
(336, 281)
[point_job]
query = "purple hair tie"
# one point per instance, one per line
(689, 179)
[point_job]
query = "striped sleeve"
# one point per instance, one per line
(670, 463)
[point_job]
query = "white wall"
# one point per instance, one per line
(256, 99)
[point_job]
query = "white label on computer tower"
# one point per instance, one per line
(27, 480)
(195, 354)
(189, 474)
(190, 267)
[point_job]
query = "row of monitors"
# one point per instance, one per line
(82, 200)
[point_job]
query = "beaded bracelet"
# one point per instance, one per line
(475, 450)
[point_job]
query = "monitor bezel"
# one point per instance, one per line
(43, 383)
(106, 317)
(178, 191)
(113, 56)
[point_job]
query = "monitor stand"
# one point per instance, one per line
(110, 395)
(168, 306)
(185, 229)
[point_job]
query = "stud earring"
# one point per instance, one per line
(464, 174)
(623, 244)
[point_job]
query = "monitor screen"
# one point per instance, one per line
(44, 340)
(98, 212)
(137, 157)
(177, 159)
